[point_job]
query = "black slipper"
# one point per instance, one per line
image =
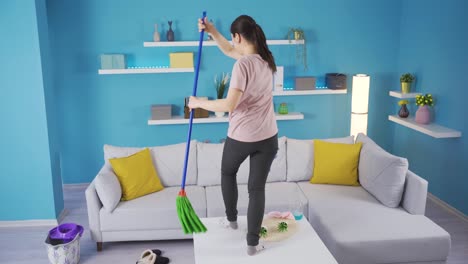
(161, 260)
(157, 252)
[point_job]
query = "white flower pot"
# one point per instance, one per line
(220, 114)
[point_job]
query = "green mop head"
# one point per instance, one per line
(187, 216)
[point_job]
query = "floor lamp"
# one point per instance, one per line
(359, 104)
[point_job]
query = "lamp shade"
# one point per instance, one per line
(360, 96)
(360, 104)
(358, 124)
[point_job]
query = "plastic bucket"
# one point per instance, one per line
(63, 244)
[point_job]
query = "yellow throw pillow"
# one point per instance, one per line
(136, 175)
(336, 163)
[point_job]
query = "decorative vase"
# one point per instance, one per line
(219, 114)
(297, 35)
(283, 109)
(405, 87)
(403, 113)
(156, 36)
(423, 115)
(170, 33)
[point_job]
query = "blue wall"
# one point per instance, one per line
(434, 41)
(58, 117)
(27, 189)
(342, 36)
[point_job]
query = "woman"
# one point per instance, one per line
(252, 123)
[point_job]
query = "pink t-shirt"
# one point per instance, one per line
(253, 119)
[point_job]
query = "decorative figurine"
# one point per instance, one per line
(263, 232)
(282, 227)
(283, 109)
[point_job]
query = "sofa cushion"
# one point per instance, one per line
(381, 173)
(357, 228)
(156, 211)
(300, 157)
(209, 164)
(168, 161)
(108, 189)
(136, 175)
(279, 196)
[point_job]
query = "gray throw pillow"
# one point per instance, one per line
(381, 173)
(108, 189)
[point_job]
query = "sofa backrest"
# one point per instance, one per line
(209, 164)
(415, 194)
(168, 161)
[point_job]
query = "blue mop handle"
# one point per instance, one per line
(194, 93)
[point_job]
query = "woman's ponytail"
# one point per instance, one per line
(249, 29)
(262, 48)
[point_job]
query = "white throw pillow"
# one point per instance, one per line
(168, 161)
(209, 164)
(108, 189)
(278, 167)
(111, 152)
(300, 157)
(381, 173)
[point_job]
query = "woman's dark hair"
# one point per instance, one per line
(252, 32)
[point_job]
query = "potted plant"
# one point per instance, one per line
(403, 113)
(423, 115)
(301, 52)
(220, 85)
(406, 80)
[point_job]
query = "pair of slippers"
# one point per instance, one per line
(152, 256)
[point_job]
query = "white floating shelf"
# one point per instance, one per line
(402, 95)
(146, 70)
(213, 119)
(309, 92)
(432, 130)
(213, 43)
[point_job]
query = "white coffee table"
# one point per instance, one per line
(227, 246)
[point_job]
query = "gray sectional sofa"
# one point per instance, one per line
(381, 221)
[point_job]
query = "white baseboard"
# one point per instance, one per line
(33, 223)
(447, 207)
(29, 223)
(76, 185)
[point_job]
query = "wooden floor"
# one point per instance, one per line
(25, 245)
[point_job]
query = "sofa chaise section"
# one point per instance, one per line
(358, 229)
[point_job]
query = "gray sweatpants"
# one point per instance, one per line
(262, 154)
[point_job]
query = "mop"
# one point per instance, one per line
(188, 218)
